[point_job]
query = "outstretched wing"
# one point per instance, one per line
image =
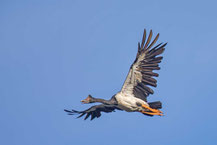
(94, 111)
(141, 74)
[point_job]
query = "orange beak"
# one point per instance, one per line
(85, 101)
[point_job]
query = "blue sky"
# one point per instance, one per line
(54, 53)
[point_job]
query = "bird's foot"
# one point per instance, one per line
(153, 111)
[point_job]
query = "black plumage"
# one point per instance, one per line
(94, 111)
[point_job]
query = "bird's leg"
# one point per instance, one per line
(152, 113)
(151, 109)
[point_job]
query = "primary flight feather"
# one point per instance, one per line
(136, 88)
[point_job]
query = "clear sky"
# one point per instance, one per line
(54, 53)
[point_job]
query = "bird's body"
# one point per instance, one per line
(129, 102)
(136, 88)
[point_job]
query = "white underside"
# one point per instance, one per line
(128, 102)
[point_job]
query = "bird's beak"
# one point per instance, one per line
(82, 101)
(85, 101)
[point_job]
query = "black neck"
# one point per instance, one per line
(112, 101)
(107, 102)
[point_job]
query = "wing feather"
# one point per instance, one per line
(94, 111)
(149, 39)
(140, 75)
(143, 38)
(154, 41)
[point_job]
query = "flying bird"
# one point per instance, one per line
(136, 88)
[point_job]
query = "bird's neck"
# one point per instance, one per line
(107, 102)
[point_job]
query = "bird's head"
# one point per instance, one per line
(88, 100)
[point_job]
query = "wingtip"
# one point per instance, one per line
(144, 30)
(164, 44)
(66, 110)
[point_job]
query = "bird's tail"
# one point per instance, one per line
(155, 105)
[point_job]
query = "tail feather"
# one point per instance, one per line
(155, 105)
(148, 115)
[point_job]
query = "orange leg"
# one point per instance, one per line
(151, 109)
(152, 113)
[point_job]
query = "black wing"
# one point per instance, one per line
(94, 111)
(141, 74)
